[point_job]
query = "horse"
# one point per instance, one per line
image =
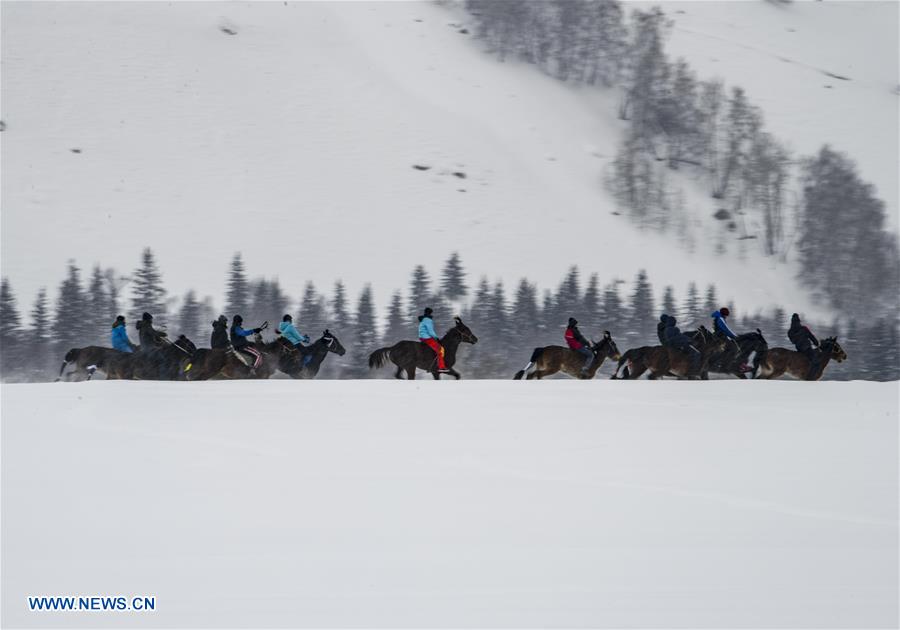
(734, 357)
(208, 363)
(668, 361)
(409, 355)
(779, 361)
(304, 362)
(552, 359)
(163, 364)
(90, 359)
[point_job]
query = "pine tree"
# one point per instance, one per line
(237, 294)
(592, 308)
(691, 310)
(642, 311)
(190, 318)
(419, 293)
(396, 328)
(69, 329)
(525, 317)
(711, 303)
(313, 315)
(39, 340)
(612, 307)
(365, 335)
(340, 318)
(453, 279)
(669, 306)
(11, 346)
(148, 294)
(568, 297)
(99, 317)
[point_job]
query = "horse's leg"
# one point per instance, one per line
(454, 373)
(399, 372)
(411, 373)
(436, 375)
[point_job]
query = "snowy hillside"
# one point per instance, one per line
(470, 504)
(289, 131)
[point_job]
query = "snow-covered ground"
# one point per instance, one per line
(293, 139)
(383, 503)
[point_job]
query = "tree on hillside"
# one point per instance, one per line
(148, 293)
(453, 279)
(237, 291)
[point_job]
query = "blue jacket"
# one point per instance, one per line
(291, 333)
(426, 329)
(720, 325)
(120, 339)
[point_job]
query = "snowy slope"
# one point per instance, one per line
(470, 504)
(821, 72)
(293, 141)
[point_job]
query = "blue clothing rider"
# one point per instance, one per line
(120, 340)
(287, 329)
(719, 324)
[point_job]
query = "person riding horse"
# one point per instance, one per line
(674, 338)
(428, 336)
(240, 344)
(805, 341)
(119, 336)
(576, 341)
(287, 330)
(219, 337)
(721, 329)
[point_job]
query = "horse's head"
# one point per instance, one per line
(832, 348)
(606, 347)
(464, 332)
(185, 345)
(331, 343)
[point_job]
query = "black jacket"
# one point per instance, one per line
(801, 336)
(219, 338)
(150, 338)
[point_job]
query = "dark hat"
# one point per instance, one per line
(222, 319)
(724, 312)
(237, 319)
(795, 317)
(663, 318)
(287, 318)
(428, 311)
(572, 322)
(147, 317)
(120, 318)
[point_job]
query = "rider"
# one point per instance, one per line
(150, 338)
(721, 329)
(661, 328)
(120, 340)
(287, 329)
(674, 338)
(239, 339)
(219, 338)
(804, 340)
(430, 338)
(579, 344)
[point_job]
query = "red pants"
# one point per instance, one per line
(438, 350)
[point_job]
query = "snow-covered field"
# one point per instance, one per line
(294, 139)
(383, 503)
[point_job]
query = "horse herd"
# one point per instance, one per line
(182, 360)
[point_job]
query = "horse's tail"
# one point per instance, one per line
(534, 359)
(71, 355)
(379, 358)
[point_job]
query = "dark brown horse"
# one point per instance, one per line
(552, 359)
(90, 359)
(409, 355)
(733, 358)
(779, 361)
(209, 363)
(305, 362)
(667, 361)
(163, 364)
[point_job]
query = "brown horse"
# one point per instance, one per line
(90, 359)
(212, 363)
(776, 362)
(305, 362)
(164, 364)
(409, 355)
(552, 359)
(666, 361)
